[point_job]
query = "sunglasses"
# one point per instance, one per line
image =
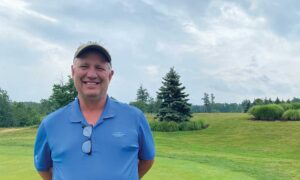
(87, 145)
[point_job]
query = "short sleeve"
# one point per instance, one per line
(42, 153)
(146, 142)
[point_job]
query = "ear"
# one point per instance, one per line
(111, 74)
(72, 71)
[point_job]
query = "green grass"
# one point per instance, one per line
(232, 147)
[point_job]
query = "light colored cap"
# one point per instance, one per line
(92, 46)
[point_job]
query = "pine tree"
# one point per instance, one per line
(206, 102)
(142, 99)
(246, 104)
(174, 104)
(277, 101)
(142, 94)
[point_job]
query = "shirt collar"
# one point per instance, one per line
(77, 115)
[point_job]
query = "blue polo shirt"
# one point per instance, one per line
(119, 139)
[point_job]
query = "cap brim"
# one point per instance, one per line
(96, 47)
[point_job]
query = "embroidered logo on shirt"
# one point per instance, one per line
(118, 134)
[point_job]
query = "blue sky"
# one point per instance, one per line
(234, 49)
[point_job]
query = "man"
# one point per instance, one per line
(93, 137)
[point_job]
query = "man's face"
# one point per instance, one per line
(91, 75)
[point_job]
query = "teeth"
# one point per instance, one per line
(91, 83)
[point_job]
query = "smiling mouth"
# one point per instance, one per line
(91, 83)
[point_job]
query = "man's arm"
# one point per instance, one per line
(46, 175)
(144, 166)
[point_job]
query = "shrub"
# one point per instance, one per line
(191, 125)
(291, 114)
(164, 126)
(267, 112)
(286, 106)
(171, 126)
(296, 105)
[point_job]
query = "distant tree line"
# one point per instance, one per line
(209, 104)
(170, 105)
(18, 114)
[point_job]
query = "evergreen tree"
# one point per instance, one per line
(174, 104)
(270, 101)
(212, 98)
(142, 94)
(142, 99)
(206, 102)
(277, 101)
(212, 102)
(246, 104)
(266, 101)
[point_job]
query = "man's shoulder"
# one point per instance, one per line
(124, 107)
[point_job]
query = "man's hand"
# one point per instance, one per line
(46, 175)
(144, 166)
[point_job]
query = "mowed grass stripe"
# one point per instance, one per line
(233, 147)
(176, 169)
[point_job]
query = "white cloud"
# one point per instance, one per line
(19, 8)
(235, 50)
(152, 70)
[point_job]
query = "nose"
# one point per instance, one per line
(91, 73)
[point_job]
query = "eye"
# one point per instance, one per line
(100, 68)
(84, 66)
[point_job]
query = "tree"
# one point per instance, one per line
(46, 106)
(206, 103)
(295, 99)
(270, 101)
(246, 104)
(62, 94)
(212, 101)
(174, 104)
(141, 105)
(277, 101)
(212, 98)
(142, 94)
(142, 99)
(258, 101)
(5, 109)
(23, 115)
(153, 105)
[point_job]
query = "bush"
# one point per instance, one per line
(286, 106)
(164, 126)
(291, 114)
(191, 125)
(296, 105)
(171, 126)
(267, 112)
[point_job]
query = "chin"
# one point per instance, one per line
(93, 96)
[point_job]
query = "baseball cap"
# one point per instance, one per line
(92, 46)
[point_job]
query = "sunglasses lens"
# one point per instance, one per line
(87, 131)
(87, 147)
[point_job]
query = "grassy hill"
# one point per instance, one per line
(233, 147)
